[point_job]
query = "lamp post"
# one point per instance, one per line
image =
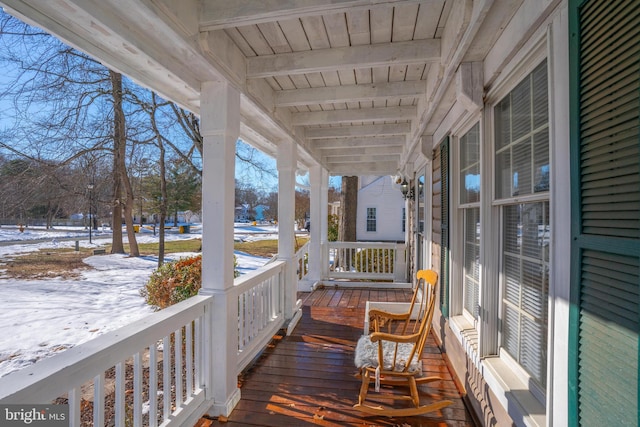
(90, 187)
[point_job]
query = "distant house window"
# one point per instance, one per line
(371, 219)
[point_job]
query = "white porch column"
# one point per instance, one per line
(220, 126)
(318, 234)
(324, 236)
(287, 164)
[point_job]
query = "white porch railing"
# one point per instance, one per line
(147, 373)
(153, 371)
(366, 261)
(260, 297)
(302, 261)
(137, 375)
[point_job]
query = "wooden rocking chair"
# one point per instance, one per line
(393, 358)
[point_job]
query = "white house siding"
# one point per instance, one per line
(386, 198)
(497, 389)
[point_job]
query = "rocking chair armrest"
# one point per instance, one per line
(383, 336)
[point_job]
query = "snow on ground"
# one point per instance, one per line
(40, 318)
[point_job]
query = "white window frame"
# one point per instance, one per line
(463, 208)
(375, 219)
(507, 382)
(500, 204)
(480, 341)
(463, 321)
(501, 372)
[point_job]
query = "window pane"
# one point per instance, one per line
(470, 166)
(541, 161)
(521, 110)
(521, 162)
(540, 97)
(503, 123)
(471, 281)
(522, 138)
(511, 331)
(534, 349)
(512, 285)
(503, 174)
(525, 272)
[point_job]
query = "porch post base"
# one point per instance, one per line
(225, 408)
(307, 285)
(294, 320)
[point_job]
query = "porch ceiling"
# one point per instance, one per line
(356, 83)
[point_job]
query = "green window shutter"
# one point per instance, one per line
(444, 246)
(605, 168)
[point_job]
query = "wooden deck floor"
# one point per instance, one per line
(308, 378)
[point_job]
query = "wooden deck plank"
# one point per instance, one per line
(355, 298)
(309, 378)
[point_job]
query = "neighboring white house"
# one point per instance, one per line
(381, 210)
(241, 213)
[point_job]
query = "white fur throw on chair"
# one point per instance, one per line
(367, 355)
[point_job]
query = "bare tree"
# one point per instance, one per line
(163, 176)
(67, 105)
(248, 155)
(349, 204)
(120, 167)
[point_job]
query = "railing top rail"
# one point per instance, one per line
(304, 248)
(247, 281)
(382, 245)
(72, 366)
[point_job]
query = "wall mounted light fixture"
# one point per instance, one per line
(407, 190)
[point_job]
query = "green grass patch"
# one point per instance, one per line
(46, 263)
(67, 263)
(263, 248)
(173, 246)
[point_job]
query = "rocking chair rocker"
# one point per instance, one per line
(393, 357)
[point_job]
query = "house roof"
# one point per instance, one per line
(359, 85)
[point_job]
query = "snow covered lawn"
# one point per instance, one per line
(39, 318)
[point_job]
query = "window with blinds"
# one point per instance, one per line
(522, 138)
(522, 169)
(470, 205)
(444, 227)
(525, 272)
(471, 276)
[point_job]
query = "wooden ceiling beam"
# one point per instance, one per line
(363, 168)
(344, 58)
(360, 158)
(360, 142)
(350, 93)
(220, 14)
(349, 116)
(393, 150)
(362, 130)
